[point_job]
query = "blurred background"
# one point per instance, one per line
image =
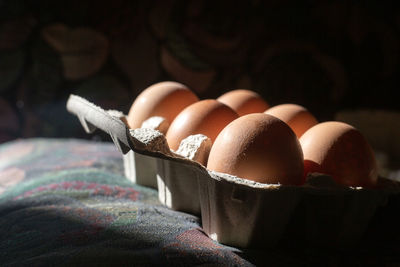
(340, 59)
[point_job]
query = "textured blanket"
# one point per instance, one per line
(67, 203)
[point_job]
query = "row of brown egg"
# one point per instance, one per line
(278, 145)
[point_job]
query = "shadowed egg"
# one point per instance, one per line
(244, 101)
(164, 99)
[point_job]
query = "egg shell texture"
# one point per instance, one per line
(296, 116)
(164, 99)
(258, 147)
(207, 117)
(244, 101)
(340, 150)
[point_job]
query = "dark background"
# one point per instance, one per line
(325, 55)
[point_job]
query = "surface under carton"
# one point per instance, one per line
(236, 211)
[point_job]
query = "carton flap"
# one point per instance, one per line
(92, 117)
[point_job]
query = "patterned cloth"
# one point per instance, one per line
(67, 203)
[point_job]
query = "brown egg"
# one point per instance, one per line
(207, 117)
(244, 101)
(341, 151)
(296, 116)
(164, 99)
(258, 147)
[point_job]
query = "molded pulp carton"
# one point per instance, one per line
(236, 211)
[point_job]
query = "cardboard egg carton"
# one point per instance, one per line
(236, 211)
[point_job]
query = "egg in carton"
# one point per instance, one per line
(237, 211)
